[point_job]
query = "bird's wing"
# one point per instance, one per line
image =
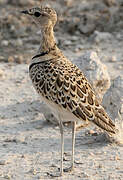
(77, 95)
(63, 83)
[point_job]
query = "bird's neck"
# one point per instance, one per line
(47, 40)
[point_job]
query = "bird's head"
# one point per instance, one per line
(43, 16)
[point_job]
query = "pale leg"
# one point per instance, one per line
(62, 147)
(73, 142)
(62, 151)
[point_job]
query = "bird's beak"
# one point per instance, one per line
(25, 12)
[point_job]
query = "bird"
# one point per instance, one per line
(62, 85)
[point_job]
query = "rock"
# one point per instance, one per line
(101, 36)
(1, 73)
(5, 43)
(110, 2)
(74, 38)
(67, 43)
(2, 58)
(11, 59)
(19, 42)
(18, 59)
(87, 24)
(68, 2)
(113, 98)
(113, 59)
(95, 71)
(20, 2)
(3, 162)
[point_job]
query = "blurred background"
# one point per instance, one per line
(82, 25)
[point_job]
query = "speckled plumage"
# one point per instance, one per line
(61, 84)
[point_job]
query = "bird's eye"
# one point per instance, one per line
(37, 14)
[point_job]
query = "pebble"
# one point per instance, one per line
(3, 162)
(2, 58)
(119, 36)
(113, 59)
(74, 38)
(10, 59)
(79, 46)
(117, 158)
(32, 171)
(18, 59)
(67, 43)
(19, 42)
(120, 67)
(93, 133)
(101, 36)
(1, 73)
(5, 43)
(89, 26)
(7, 176)
(110, 2)
(84, 174)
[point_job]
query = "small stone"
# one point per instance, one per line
(2, 58)
(23, 156)
(119, 36)
(19, 42)
(1, 73)
(120, 67)
(117, 158)
(92, 154)
(2, 162)
(33, 171)
(7, 176)
(101, 36)
(74, 38)
(113, 59)
(5, 43)
(110, 2)
(10, 59)
(67, 43)
(100, 166)
(91, 132)
(79, 46)
(18, 59)
(84, 174)
(89, 26)
(68, 2)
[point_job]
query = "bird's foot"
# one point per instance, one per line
(57, 174)
(70, 169)
(54, 175)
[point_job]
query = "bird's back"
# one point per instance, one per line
(62, 85)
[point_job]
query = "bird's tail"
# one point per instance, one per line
(114, 131)
(103, 121)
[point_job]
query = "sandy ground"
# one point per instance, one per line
(29, 145)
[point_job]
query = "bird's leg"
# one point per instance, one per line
(62, 151)
(73, 144)
(62, 146)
